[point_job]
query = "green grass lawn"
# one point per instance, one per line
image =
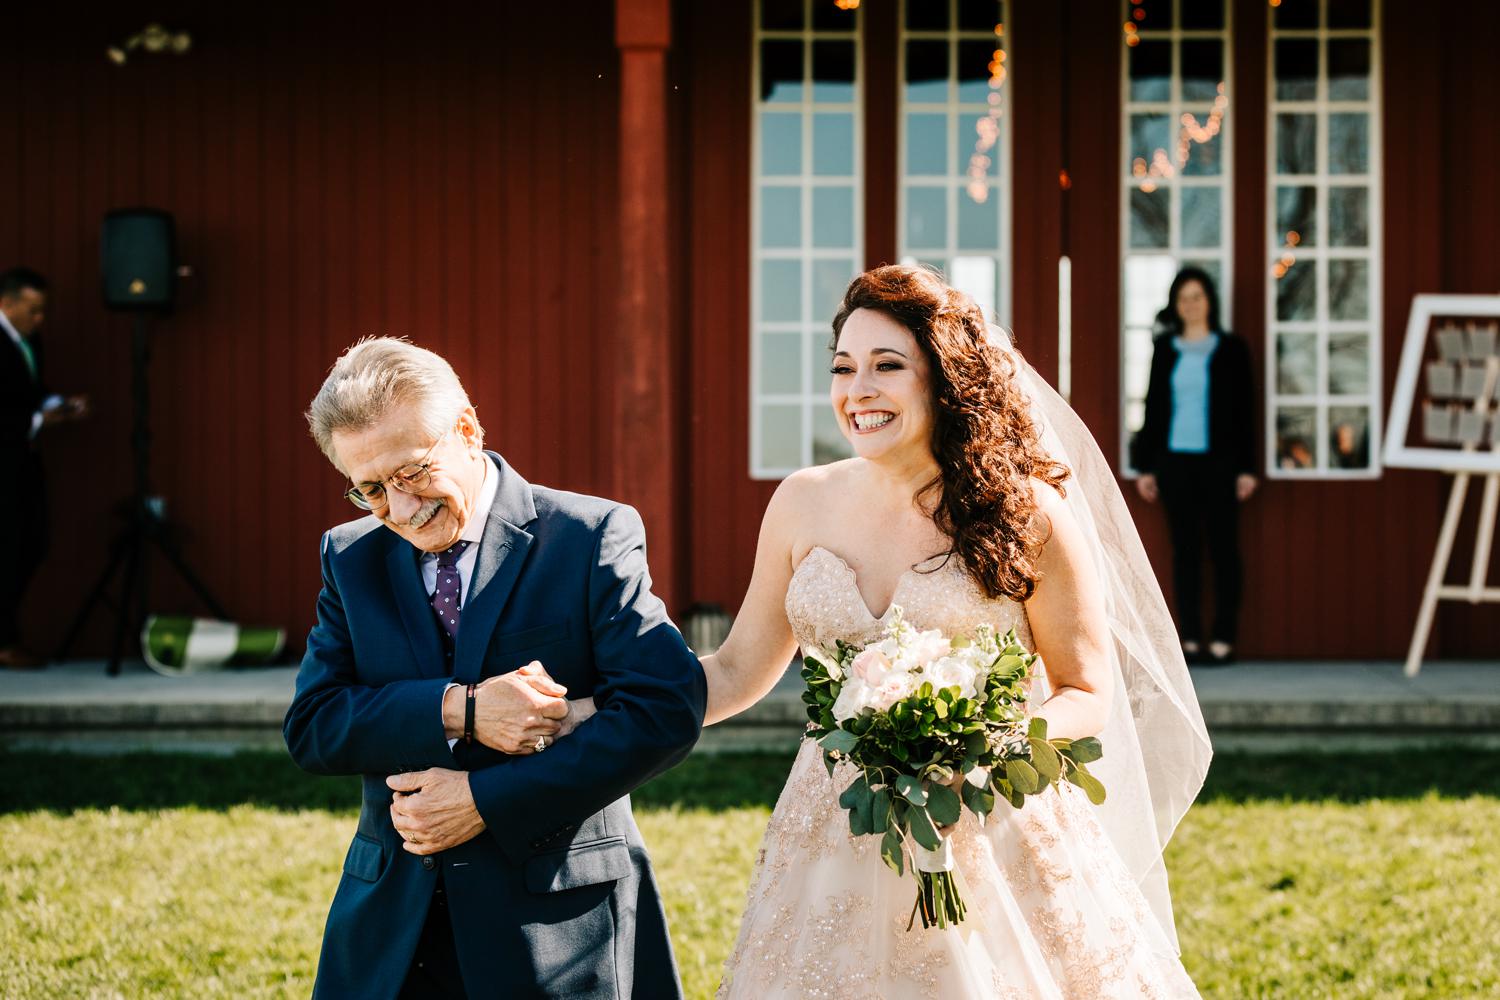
(1373, 875)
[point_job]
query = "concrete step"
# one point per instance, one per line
(77, 706)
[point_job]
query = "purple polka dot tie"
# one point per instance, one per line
(447, 597)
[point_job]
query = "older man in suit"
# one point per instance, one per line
(25, 408)
(496, 853)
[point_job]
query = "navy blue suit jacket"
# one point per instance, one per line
(556, 898)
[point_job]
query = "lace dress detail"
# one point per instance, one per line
(1052, 911)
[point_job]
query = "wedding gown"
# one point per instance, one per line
(1052, 910)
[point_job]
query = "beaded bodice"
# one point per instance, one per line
(823, 602)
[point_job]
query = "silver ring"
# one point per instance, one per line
(541, 744)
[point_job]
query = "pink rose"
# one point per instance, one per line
(870, 666)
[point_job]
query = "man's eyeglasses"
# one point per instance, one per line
(412, 478)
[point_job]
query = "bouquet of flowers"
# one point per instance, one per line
(916, 712)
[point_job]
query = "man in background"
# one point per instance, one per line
(25, 408)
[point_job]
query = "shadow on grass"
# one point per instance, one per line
(64, 782)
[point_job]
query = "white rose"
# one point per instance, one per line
(851, 700)
(927, 647)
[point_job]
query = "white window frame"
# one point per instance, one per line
(955, 181)
(1321, 325)
(811, 323)
(1173, 108)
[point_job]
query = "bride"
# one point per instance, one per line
(975, 496)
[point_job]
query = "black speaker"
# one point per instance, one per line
(138, 255)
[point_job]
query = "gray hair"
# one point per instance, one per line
(376, 374)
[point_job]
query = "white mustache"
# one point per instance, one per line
(424, 513)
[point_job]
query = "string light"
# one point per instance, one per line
(987, 129)
(1189, 133)
(846, 4)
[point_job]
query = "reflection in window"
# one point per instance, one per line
(807, 224)
(1176, 171)
(954, 192)
(1322, 208)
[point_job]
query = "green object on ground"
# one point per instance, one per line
(1358, 876)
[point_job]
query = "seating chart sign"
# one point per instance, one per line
(1446, 410)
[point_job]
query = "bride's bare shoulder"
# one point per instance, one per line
(807, 492)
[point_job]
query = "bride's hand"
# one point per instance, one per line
(579, 709)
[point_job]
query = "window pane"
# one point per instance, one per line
(829, 443)
(1296, 437)
(833, 144)
(780, 435)
(976, 277)
(927, 217)
(781, 71)
(830, 279)
(832, 17)
(1297, 14)
(1148, 133)
(1349, 13)
(781, 363)
(1297, 216)
(1148, 218)
(1348, 289)
(1296, 69)
(979, 223)
(781, 15)
(1297, 292)
(1349, 437)
(927, 145)
(833, 71)
(926, 70)
(979, 15)
(1202, 68)
(1155, 14)
(780, 291)
(1151, 71)
(1348, 216)
(976, 134)
(974, 58)
(780, 144)
(1205, 159)
(780, 217)
(1201, 218)
(1214, 268)
(1348, 363)
(1296, 364)
(927, 15)
(1296, 144)
(1148, 279)
(1348, 69)
(1201, 15)
(833, 217)
(1348, 144)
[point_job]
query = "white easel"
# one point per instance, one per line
(1463, 463)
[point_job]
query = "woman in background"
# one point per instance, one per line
(1196, 450)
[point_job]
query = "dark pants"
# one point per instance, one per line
(1197, 492)
(23, 539)
(434, 974)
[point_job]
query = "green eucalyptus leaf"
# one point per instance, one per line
(840, 740)
(1023, 776)
(1086, 750)
(911, 790)
(943, 804)
(981, 801)
(1045, 759)
(923, 831)
(891, 853)
(880, 814)
(1038, 730)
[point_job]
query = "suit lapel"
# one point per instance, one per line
(502, 554)
(416, 613)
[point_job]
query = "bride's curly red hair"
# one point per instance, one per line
(986, 445)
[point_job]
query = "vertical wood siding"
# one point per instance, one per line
(340, 170)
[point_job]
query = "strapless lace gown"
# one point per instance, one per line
(1052, 911)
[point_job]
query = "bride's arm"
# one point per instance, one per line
(1069, 627)
(760, 645)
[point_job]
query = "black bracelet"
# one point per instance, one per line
(469, 714)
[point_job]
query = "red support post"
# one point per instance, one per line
(644, 428)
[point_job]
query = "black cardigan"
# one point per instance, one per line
(1231, 406)
(21, 396)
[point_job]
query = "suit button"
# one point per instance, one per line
(428, 863)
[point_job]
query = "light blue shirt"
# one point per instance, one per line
(1189, 431)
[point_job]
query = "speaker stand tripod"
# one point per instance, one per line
(145, 528)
